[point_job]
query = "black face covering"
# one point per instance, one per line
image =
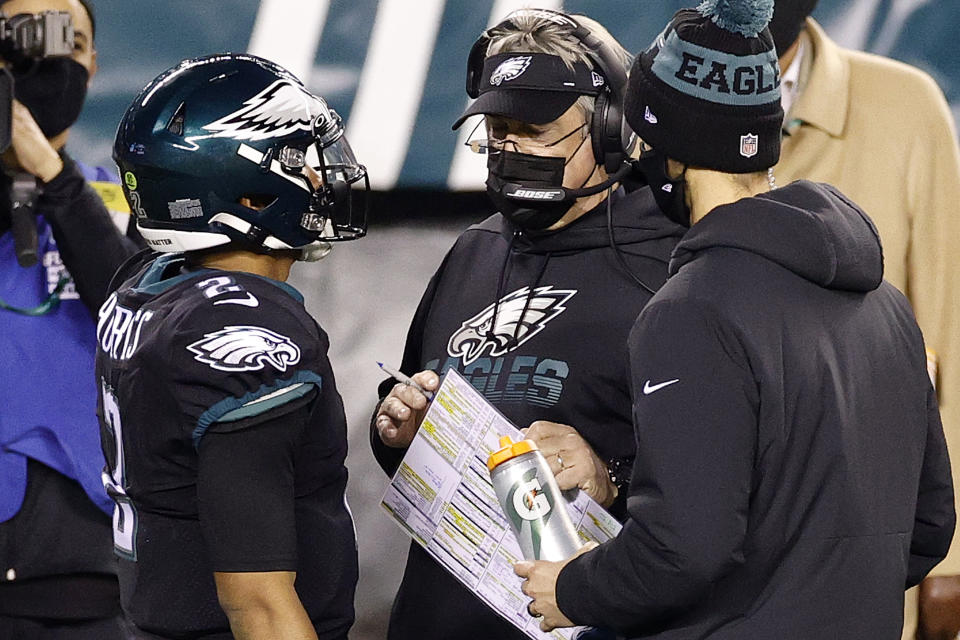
(53, 90)
(509, 168)
(787, 21)
(669, 194)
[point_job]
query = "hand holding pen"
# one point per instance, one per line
(399, 415)
(400, 376)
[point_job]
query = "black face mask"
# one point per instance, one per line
(53, 90)
(508, 170)
(669, 194)
(787, 22)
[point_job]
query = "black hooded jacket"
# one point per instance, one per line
(537, 323)
(791, 477)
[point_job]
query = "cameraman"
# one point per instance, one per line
(57, 570)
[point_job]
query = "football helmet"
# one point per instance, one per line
(214, 134)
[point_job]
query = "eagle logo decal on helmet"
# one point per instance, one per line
(517, 320)
(509, 69)
(245, 348)
(280, 109)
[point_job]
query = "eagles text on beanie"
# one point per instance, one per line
(707, 91)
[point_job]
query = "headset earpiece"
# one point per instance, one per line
(606, 133)
(475, 64)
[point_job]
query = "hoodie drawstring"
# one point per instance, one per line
(513, 341)
(503, 274)
(504, 270)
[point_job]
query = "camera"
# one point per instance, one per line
(25, 39)
(28, 36)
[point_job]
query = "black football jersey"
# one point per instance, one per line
(225, 439)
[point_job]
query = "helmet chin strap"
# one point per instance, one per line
(310, 253)
(315, 251)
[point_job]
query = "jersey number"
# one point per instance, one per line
(220, 285)
(115, 481)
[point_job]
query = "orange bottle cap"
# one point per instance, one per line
(508, 450)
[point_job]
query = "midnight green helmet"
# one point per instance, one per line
(214, 130)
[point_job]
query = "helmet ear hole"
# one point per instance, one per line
(257, 201)
(175, 125)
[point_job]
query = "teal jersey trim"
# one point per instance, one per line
(152, 284)
(256, 403)
(267, 402)
(291, 291)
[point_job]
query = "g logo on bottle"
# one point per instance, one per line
(529, 500)
(529, 507)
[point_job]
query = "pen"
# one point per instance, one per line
(405, 379)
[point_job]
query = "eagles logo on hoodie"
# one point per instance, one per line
(508, 323)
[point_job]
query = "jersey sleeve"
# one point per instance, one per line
(245, 491)
(90, 244)
(240, 349)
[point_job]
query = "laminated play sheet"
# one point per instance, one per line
(443, 498)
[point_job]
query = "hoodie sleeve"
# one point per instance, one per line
(935, 518)
(90, 244)
(389, 457)
(695, 407)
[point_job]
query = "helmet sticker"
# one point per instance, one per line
(280, 109)
(130, 180)
(185, 208)
(134, 203)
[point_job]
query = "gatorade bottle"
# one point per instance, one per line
(532, 502)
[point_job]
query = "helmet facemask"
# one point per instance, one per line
(337, 209)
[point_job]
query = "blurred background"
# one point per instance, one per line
(394, 70)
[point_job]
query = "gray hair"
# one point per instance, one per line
(532, 33)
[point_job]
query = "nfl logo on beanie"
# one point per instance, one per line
(706, 92)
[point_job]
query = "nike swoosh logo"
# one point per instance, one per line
(650, 388)
(249, 301)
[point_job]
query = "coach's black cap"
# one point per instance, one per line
(535, 88)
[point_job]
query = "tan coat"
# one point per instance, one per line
(881, 131)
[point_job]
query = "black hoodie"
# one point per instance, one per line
(791, 477)
(560, 306)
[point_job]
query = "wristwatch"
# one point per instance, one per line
(620, 470)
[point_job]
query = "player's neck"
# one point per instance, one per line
(711, 189)
(273, 266)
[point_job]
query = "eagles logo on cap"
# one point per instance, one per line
(509, 69)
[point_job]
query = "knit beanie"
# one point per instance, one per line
(706, 92)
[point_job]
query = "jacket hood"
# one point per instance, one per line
(809, 228)
(636, 218)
